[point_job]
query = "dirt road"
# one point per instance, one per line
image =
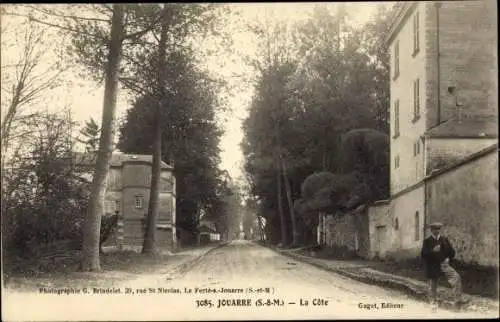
(239, 281)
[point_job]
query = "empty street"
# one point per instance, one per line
(241, 280)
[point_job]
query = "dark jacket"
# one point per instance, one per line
(432, 259)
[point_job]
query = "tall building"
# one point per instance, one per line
(444, 85)
(127, 193)
(128, 189)
(443, 128)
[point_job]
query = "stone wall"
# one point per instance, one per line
(396, 227)
(407, 236)
(349, 230)
(463, 196)
(380, 228)
(465, 199)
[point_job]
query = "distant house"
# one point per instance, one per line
(128, 186)
(207, 231)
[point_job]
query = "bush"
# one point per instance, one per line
(44, 195)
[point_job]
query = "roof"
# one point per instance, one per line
(207, 225)
(484, 152)
(479, 128)
(402, 10)
(117, 159)
(205, 229)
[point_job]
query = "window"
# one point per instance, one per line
(396, 162)
(416, 100)
(396, 118)
(417, 226)
(416, 148)
(396, 59)
(416, 34)
(396, 223)
(117, 205)
(139, 201)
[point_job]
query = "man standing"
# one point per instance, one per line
(437, 252)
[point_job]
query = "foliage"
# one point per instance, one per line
(314, 183)
(229, 215)
(45, 194)
(365, 178)
(332, 78)
(367, 151)
(332, 194)
(190, 134)
(142, 30)
(90, 136)
(108, 225)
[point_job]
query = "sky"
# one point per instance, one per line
(85, 98)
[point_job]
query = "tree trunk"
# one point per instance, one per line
(92, 224)
(149, 245)
(280, 205)
(325, 148)
(295, 233)
(279, 196)
(261, 228)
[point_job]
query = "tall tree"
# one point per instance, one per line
(190, 134)
(274, 65)
(288, 190)
(98, 43)
(92, 223)
(338, 83)
(154, 196)
(187, 109)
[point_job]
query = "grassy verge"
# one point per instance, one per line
(63, 270)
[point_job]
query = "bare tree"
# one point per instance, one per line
(25, 79)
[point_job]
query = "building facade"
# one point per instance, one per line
(444, 108)
(463, 195)
(450, 95)
(207, 231)
(127, 194)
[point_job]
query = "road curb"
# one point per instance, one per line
(363, 278)
(411, 291)
(192, 262)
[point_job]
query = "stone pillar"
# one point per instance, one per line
(175, 244)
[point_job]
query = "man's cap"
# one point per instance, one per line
(435, 225)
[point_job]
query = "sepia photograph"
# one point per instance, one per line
(249, 161)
